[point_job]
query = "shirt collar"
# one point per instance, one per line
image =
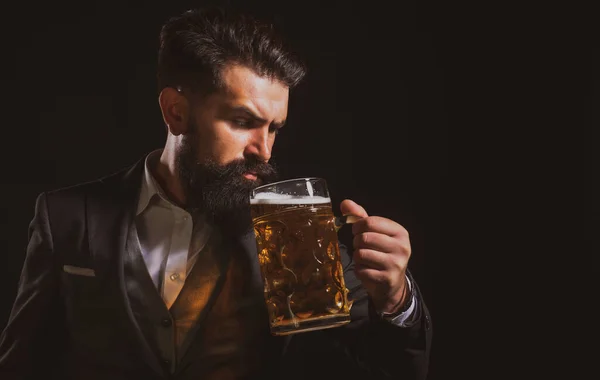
(150, 186)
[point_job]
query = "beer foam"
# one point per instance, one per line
(286, 199)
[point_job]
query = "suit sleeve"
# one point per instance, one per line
(380, 349)
(32, 335)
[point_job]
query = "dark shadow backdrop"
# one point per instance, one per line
(371, 116)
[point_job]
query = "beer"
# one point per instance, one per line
(300, 262)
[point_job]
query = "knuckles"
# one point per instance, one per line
(362, 239)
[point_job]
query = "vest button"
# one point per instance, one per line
(166, 322)
(166, 362)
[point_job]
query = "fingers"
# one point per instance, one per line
(380, 225)
(382, 280)
(367, 258)
(371, 275)
(377, 241)
(349, 207)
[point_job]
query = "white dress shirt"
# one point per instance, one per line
(171, 241)
(165, 232)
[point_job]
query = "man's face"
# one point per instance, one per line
(225, 152)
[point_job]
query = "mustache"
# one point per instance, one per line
(264, 171)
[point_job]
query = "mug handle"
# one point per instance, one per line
(340, 221)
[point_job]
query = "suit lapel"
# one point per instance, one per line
(109, 214)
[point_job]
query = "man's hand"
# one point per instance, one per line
(381, 254)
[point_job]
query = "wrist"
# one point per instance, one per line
(403, 305)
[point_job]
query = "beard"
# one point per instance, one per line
(221, 191)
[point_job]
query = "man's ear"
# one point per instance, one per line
(175, 110)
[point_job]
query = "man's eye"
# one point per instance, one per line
(242, 122)
(274, 130)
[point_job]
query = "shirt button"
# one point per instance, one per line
(166, 322)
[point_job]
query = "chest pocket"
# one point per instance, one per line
(91, 312)
(80, 288)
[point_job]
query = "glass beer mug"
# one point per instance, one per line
(299, 256)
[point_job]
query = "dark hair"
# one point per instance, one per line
(196, 45)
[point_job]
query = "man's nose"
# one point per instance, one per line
(260, 145)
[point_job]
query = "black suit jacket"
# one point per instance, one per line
(82, 327)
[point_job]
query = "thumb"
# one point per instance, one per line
(349, 207)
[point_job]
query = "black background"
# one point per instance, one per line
(421, 113)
